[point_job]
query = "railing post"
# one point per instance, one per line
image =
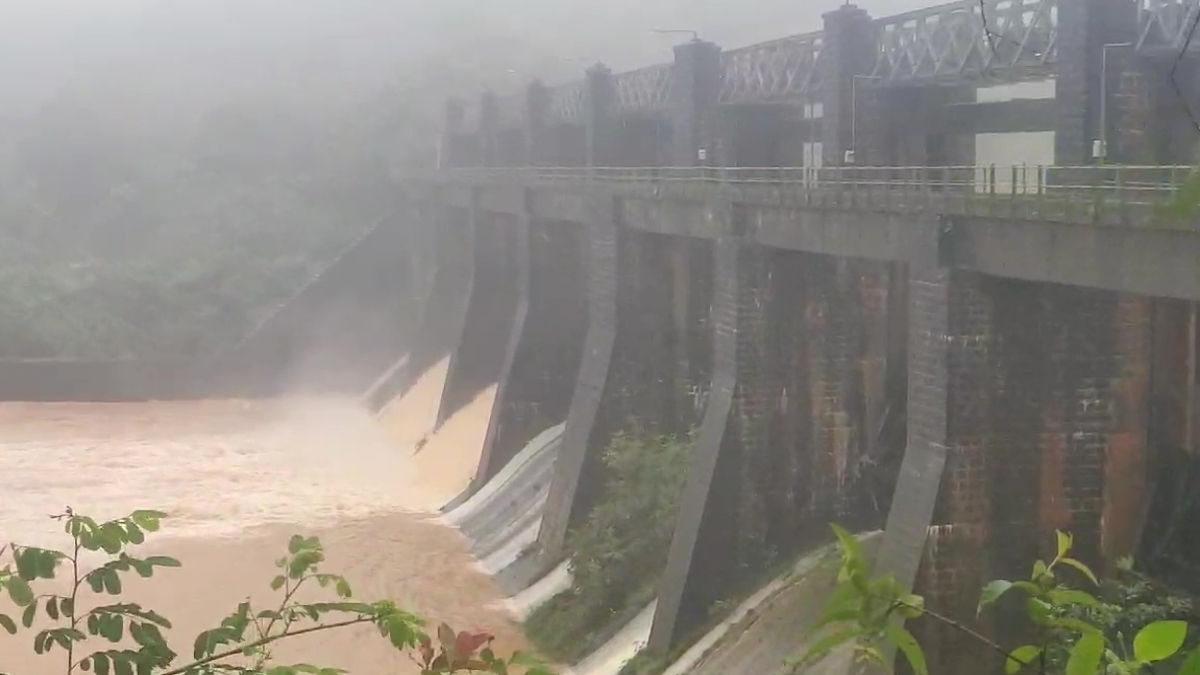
(1012, 192)
(1122, 212)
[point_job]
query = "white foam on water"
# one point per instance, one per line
(508, 554)
(484, 496)
(614, 654)
(557, 581)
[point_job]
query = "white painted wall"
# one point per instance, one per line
(1026, 150)
(1019, 90)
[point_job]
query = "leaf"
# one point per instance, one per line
(1068, 596)
(851, 548)
(303, 561)
(27, 564)
(295, 544)
(147, 520)
(822, 646)
(465, 644)
(1064, 544)
(163, 561)
(1020, 657)
(1086, 654)
(991, 592)
(112, 582)
(28, 615)
(278, 582)
(8, 624)
(1159, 640)
(122, 665)
(525, 660)
(1191, 665)
(446, 636)
(912, 606)
(1039, 570)
(19, 591)
(907, 644)
(52, 608)
(1083, 569)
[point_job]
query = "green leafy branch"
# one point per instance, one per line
(868, 612)
(241, 643)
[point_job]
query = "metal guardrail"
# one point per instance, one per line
(1096, 192)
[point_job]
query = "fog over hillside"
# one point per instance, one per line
(171, 170)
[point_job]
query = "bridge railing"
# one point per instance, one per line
(1073, 192)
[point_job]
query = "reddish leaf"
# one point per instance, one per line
(468, 643)
(427, 653)
(446, 636)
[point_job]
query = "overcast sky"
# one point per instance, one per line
(201, 44)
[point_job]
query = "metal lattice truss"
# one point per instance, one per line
(1007, 40)
(566, 103)
(644, 90)
(787, 70)
(1163, 24)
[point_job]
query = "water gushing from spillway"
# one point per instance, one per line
(239, 477)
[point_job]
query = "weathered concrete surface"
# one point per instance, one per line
(774, 625)
(1162, 261)
(546, 345)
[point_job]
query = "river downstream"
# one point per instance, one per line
(238, 478)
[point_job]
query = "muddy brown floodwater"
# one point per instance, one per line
(238, 478)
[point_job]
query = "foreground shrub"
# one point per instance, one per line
(240, 644)
(1078, 628)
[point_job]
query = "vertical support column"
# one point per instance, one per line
(941, 491)
(491, 462)
(849, 49)
(1084, 27)
(489, 143)
(599, 98)
(696, 83)
(538, 136)
(563, 503)
(701, 561)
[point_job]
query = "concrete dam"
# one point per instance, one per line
(888, 275)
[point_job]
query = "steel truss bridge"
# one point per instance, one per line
(964, 41)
